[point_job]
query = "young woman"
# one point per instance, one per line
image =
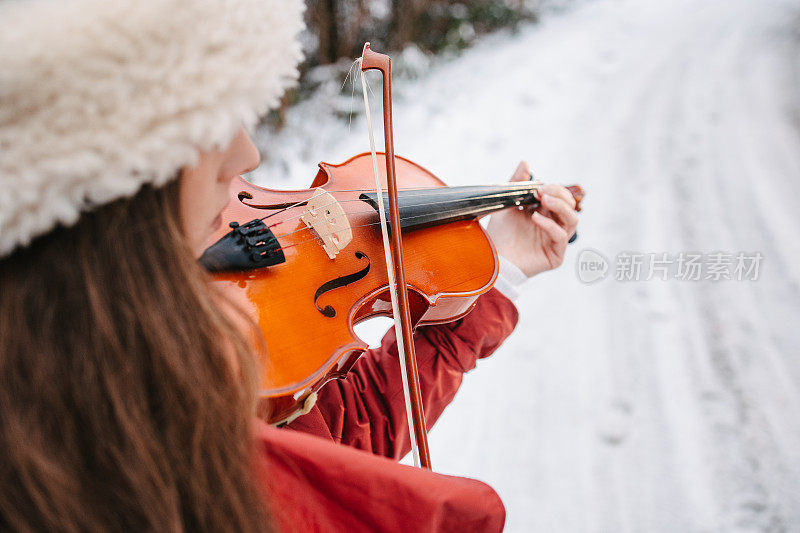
(127, 397)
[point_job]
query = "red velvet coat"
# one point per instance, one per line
(315, 486)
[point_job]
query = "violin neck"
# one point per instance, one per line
(421, 208)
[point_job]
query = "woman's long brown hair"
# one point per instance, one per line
(126, 395)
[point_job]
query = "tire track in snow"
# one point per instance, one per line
(752, 485)
(627, 406)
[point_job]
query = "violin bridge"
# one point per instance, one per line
(325, 217)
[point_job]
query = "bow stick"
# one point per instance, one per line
(395, 267)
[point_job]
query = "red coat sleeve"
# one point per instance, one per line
(367, 409)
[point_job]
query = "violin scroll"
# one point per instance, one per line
(577, 192)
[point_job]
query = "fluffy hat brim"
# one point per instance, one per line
(100, 97)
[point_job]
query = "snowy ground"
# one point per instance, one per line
(640, 405)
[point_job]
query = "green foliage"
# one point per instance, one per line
(338, 28)
(454, 25)
(408, 29)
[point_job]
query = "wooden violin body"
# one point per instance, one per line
(306, 304)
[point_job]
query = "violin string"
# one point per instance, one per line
(296, 204)
(402, 219)
(372, 210)
(302, 202)
(320, 235)
(322, 191)
(434, 203)
(509, 185)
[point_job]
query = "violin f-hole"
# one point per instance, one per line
(336, 283)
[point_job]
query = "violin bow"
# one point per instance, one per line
(395, 267)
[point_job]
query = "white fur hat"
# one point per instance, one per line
(99, 97)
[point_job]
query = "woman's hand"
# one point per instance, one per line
(535, 242)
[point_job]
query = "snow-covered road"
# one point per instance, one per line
(639, 405)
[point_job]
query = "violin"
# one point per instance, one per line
(308, 264)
